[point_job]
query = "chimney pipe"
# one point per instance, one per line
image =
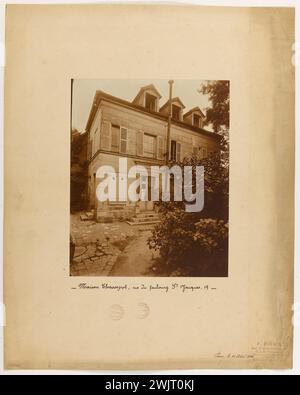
(169, 120)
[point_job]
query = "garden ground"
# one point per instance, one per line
(113, 249)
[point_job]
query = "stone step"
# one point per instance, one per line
(114, 212)
(116, 206)
(90, 214)
(87, 216)
(146, 219)
(140, 223)
(146, 215)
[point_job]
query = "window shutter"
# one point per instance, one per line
(160, 147)
(105, 136)
(178, 152)
(139, 143)
(123, 140)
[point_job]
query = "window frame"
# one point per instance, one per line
(199, 120)
(179, 112)
(195, 147)
(116, 127)
(204, 152)
(127, 140)
(154, 145)
(155, 101)
(171, 156)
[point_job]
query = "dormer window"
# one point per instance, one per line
(148, 97)
(197, 121)
(176, 109)
(176, 112)
(150, 102)
(194, 117)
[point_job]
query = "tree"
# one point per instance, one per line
(196, 242)
(217, 114)
(78, 170)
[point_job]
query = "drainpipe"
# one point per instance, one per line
(169, 121)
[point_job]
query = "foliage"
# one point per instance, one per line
(196, 239)
(218, 113)
(200, 240)
(216, 182)
(174, 236)
(211, 234)
(78, 170)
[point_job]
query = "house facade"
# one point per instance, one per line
(138, 131)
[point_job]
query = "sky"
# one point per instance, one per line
(84, 91)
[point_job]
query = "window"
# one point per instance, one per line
(204, 152)
(196, 120)
(175, 151)
(195, 150)
(176, 110)
(149, 146)
(150, 102)
(115, 138)
(123, 140)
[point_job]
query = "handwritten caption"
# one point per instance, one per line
(174, 287)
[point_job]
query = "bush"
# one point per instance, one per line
(211, 235)
(196, 242)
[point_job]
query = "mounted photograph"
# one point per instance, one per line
(149, 178)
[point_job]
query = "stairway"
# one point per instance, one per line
(116, 205)
(146, 218)
(87, 216)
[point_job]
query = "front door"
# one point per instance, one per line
(145, 205)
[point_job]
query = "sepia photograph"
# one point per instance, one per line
(149, 178)
(149, 191)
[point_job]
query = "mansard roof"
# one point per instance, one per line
(174, 99)
(195, 109)
(145, 89)
(100, 95)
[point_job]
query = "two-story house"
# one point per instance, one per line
(137, 130)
